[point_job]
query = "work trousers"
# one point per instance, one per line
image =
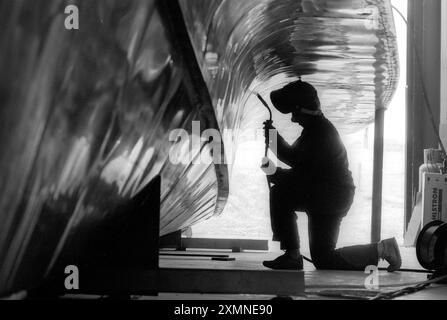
(324, 224)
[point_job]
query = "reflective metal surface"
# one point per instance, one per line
(346, 48)
(86, 115)
(85, 121)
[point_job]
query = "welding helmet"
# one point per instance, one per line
(297, 96)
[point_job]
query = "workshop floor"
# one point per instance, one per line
(315, 280)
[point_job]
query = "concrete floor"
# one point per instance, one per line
(315, 280)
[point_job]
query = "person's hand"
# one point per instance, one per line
(268, 125)
(268, 166)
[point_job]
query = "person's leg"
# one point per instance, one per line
(285, 230)
(283, 218)
(323, 236)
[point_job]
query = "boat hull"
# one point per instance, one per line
(87, 116)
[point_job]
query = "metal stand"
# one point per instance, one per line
(177, 242)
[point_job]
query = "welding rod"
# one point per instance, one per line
(265, 104)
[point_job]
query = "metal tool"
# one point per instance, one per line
(267, 124)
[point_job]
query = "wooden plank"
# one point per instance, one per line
(118, 281)
(269, 282)
(182, 255)
(209, 243)
(148, 282)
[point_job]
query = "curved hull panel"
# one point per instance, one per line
(85, 122)
(86, 115)
(346, 48)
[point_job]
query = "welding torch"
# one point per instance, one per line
(267, 125)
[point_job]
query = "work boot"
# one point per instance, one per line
(389, 251)
(285, 262)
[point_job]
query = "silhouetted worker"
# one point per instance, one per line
(318, 183)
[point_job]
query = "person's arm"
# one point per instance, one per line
(284, 151)
(280, 148)
(280, 176)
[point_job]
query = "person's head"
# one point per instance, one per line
(299, 98)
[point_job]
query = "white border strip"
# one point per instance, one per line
(443, 74)
(443, 61)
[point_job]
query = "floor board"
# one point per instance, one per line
(315, 280)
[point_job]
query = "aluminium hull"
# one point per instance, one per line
(86, 115)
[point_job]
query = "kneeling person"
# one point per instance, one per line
(318, 183)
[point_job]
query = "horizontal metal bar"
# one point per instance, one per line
(207, 243)
(194, 255)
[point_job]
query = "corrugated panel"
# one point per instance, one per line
(85, 122)
(86, 115)
(346, 48)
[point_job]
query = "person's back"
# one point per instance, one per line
(321, 155)
(319, 167)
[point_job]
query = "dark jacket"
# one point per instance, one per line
(319, 167)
